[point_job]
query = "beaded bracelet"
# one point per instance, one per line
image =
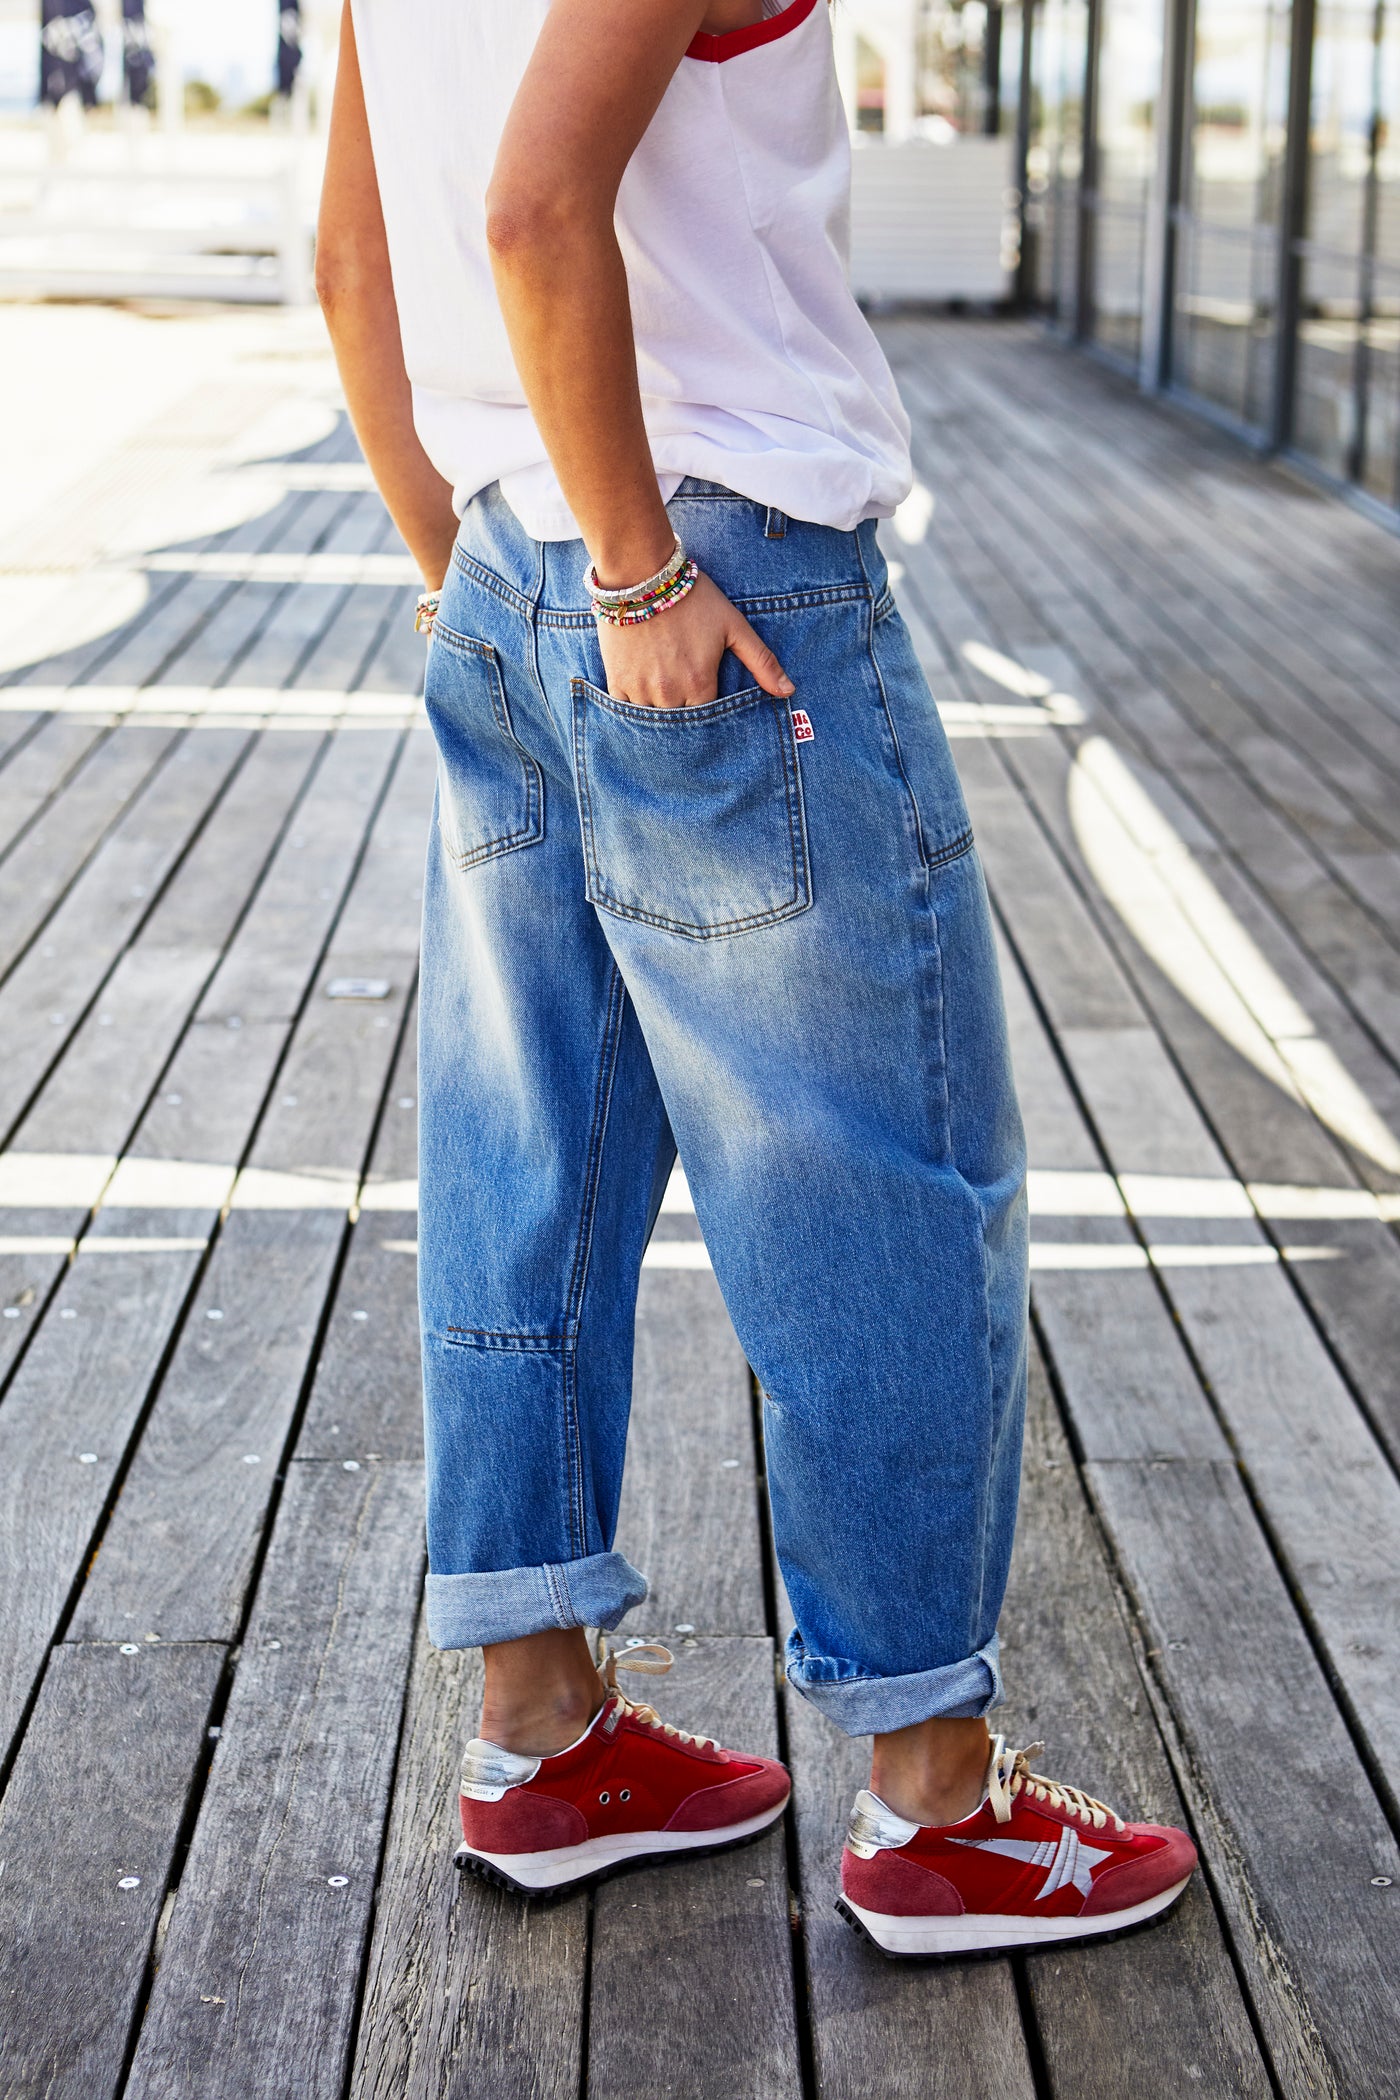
(634, 593)
(632, 614)
(425, 612)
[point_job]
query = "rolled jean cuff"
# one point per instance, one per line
(862, 1704)
(472, 1611)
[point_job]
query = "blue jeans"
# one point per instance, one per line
(706, 929)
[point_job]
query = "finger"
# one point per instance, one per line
(675, 688)
(758, 658)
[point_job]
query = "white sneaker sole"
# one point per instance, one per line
(982, 1933)
(533, 1873)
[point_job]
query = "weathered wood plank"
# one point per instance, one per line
(64, 1430)
(1302, 873)
(107, 1353)
(1327, 1492)
(1141, 2014)
(45, 994)
(1285, 1878)
(39, 870)
(39, 771)
(1026, 893)
(1135, 1392)
(689, 1516)
(367, 1400)
(1292, 1830)
(306, 612)
(136, 649)
(692, 1971)
(200, 1480)
(1267, 529)
(469, 1990)
(1270, 1135)
(131, 650)
(396, 663)
(260, 1971)
(180, 1546)
(81, 1894)
(1325, 1488)
(904, 2030)
(1280, 560)
(91, 1102)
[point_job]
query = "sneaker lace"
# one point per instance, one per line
(1009, 1774)
(648, 1659)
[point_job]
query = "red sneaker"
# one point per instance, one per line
(1036, 1863)
(631, 1788)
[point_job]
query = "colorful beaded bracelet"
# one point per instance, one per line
(632, 615)
(635, 593)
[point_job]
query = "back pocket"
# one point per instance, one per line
(692, 816)
(490, 790)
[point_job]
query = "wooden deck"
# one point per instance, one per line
(228, 1753)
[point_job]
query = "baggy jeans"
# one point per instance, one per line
(757, 931)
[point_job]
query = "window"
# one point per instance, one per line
(1129, 78)
(1224, 345)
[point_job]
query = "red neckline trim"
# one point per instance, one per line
(734, 42)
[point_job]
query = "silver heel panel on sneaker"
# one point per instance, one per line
(874, 1828)
(489, 1772)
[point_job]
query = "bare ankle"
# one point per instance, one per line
(933, 1772)
(541, 1692)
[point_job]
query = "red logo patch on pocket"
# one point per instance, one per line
(802, 731)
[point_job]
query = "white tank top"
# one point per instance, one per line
(757, 368)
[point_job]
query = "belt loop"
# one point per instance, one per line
(775, 524)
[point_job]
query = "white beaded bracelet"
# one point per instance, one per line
(614, 601)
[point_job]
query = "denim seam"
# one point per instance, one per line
(765, 605)
(656, 718)
(663, 720)
(534, 630)
(557, 1597)
(530, 835)
(919, 846)
(718, 931)
(798, 843)
(503, 1338)
(583, 1247)
(532, 830)
(884, 606)
(945, 1134)
(442, 636)
(560, 1579)
(490, 581)
(960, 845)
(862, 1676)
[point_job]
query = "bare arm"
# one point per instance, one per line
(356, 293)
(591, 88)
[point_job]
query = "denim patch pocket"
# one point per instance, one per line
(692, 816)
(490, 790)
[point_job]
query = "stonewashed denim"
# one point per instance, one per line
(705, 928)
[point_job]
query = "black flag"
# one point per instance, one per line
(288, 45)
(70, 52)
(138, 59)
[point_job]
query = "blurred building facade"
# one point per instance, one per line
(1212, 198)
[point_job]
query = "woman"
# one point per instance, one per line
(701, 875)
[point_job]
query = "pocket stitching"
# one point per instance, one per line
(532, 830)
(597, 890)
(674, 717)
(954, 851)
